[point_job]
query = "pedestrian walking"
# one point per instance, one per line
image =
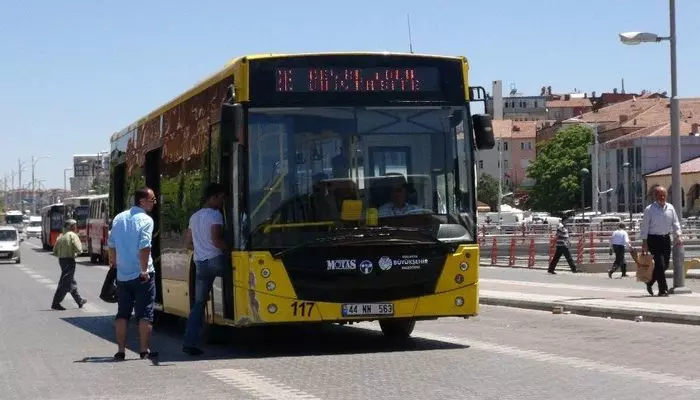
(67, 248)
(130, 253)
(205, 236)
(619, 242)
(562, 250)
(658, 223)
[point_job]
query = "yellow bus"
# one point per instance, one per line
(351, 183)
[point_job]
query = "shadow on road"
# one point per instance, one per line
(85, 262)
(256, 342)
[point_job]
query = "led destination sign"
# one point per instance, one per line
(357, 80)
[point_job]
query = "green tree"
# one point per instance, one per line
(100, 187)
(487, 190)
(557, 170)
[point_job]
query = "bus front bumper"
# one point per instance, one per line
(267, 308)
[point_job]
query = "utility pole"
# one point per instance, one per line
(20, 165)
(4, 193)
(33, 187)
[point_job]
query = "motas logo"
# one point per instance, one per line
(385, 263)
(366, 267)
(341, 264)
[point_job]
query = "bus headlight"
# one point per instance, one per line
(272, 308)
(265, 273)
(464, 266)
(270, 286)
(459, 301)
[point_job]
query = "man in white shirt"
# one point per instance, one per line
(659, 221)
(397, 204)
(562, 250)
(205, 236)
(619, 241)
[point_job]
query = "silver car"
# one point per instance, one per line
(9, 244)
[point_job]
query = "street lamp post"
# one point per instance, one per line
(34, 162)
(584, 172)
(628, 191)
(634, 38)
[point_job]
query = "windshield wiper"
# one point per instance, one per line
(365, 235)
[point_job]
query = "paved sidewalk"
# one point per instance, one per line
(692, 273)
(587, 299)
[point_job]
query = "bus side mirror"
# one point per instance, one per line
(232, 122)
(483, 132)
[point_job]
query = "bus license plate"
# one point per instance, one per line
(353, 310)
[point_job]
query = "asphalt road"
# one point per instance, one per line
(502, 354)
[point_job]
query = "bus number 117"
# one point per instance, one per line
(302, 308)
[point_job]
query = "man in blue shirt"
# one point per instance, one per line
(130, 252)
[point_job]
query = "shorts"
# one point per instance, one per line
(137, 296)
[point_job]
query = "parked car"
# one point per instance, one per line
(9, 244)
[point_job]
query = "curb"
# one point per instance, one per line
(595, 311)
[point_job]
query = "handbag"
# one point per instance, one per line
(109, 291)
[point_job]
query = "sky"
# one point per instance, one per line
(73, 72)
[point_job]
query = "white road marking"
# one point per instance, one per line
(258, 385)
(566, 361)
(92, 309)
(49, 284)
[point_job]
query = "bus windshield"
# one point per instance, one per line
(14, 219)
(310, 169)
(80, 214)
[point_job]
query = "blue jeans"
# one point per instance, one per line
(207, 271)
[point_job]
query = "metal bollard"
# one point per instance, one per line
(494, 252)
(592, 249)
(552, 247)
(511, 253)
(579, 252)
(531, 254)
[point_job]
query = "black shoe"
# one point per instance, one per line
(624, 276)
(81, 303)
(610, 274)
(551, 272)
(119, 356)
(57, 307)
(663, 294)
(193, 351)
(148, 354)
(650, 290)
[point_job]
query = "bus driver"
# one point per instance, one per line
(397, 205)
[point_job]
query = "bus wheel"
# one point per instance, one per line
(397, 328)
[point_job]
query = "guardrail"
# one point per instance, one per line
(585, 247)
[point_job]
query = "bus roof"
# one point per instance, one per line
(52, 205)
(230, 66)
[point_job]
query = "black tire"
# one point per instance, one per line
(398, 329)
(19, 261)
